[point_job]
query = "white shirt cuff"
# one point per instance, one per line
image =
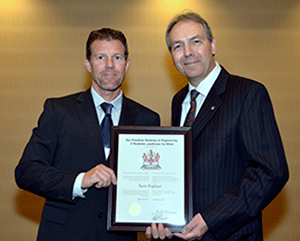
(77, 190)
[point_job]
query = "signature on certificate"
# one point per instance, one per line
(161, 215)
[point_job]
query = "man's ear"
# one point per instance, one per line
(87, 64)
(128, 62)
(214, 48)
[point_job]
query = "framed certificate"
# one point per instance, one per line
(154, 174)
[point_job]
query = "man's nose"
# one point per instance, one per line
(188, 51)
(110, 63)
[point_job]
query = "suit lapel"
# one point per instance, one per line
(211, 103)
(177, 106)
(207, 111)
(128, 113)
(88, 115)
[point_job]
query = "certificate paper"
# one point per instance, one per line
(151, 175)
(147, 175)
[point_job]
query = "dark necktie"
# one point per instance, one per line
(191, 114)
(106, 123)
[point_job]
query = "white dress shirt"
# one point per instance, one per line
(115, 112)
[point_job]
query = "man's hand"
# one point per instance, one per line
(195, 230)
(101, 176)
(158, 232)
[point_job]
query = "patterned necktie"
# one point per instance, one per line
(191, 114)
(106, 123)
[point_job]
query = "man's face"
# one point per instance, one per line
(191, 51)
(107, 65)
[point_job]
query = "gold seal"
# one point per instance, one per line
(134, 209)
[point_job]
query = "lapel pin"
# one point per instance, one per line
(213, 107)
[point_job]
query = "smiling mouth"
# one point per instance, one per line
(191, 62)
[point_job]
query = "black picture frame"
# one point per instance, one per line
(112, 224)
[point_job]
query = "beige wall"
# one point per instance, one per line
(41, 55)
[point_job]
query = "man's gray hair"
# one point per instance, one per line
(189, 16)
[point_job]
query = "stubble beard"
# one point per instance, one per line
(107, 85)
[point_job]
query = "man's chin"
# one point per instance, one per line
(111, 88)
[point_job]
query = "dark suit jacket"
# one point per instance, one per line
(68, 141)
(239, 163)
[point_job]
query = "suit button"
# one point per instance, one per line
(100, 215)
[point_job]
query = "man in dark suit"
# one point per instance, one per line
(65, 160)
(239, 164)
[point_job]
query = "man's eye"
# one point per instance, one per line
(118, 57)
(100, 57)
(197, 41)
(175, 47)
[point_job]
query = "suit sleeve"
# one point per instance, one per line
(261, 152)
(35, 172)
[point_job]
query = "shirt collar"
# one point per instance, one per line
(98, 100)
(204, 87)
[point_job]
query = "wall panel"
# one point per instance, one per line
(42, 46)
